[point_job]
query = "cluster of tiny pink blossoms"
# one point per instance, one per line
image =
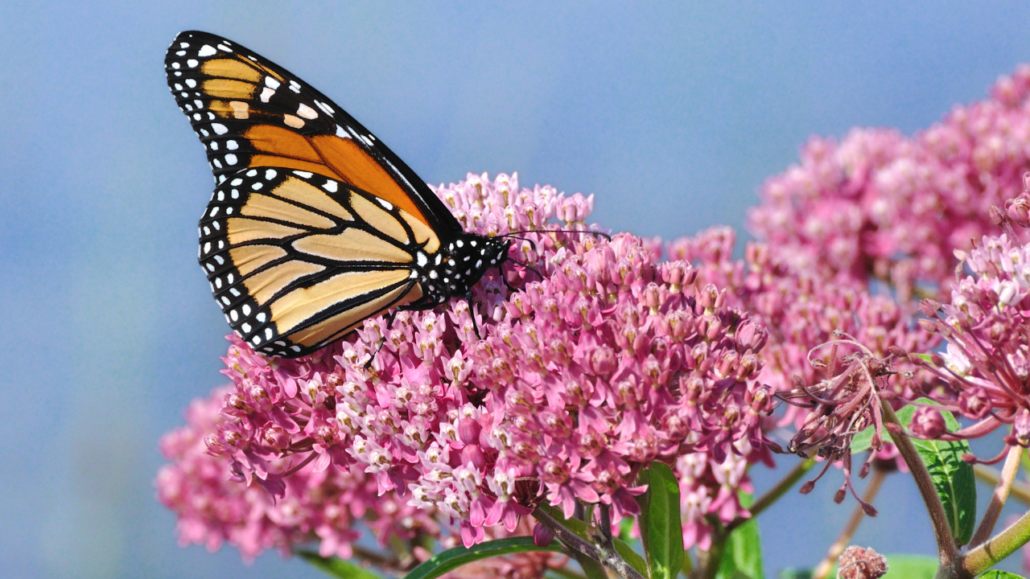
(803, 311)
(214, 505)
(606, 360)
(984, 371)
(895, 208)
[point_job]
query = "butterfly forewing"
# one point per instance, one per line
(314, 224)
(250, 112)
(297, 260)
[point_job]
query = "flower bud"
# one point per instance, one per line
(468, 430)
(1018, 210)
(542, 536)
(473, 454)
(928, 423)
(974, 403)
(275, 437)
(859, 563)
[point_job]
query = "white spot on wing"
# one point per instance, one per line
(270, 174)
(271, 83)
(206, 50)
(192, 63)
(330, 186)
(303, 174)
(231, 159)
(266, 94)
(341, 133)
(307, 112)
(219, 128)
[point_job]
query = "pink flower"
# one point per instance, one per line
(985, 367)
(884, 206)
(604, 361)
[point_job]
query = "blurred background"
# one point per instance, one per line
(672, 115)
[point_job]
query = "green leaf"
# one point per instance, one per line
(580, 528)
(742, 556)
(952, 476)
(660, 526)
(998, 575)
(337, 567)
(451, 559)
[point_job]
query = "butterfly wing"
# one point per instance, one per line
(297, 260)
(251, 113)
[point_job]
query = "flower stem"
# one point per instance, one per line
(1002, 545)
(772, 495)
(1020, 490)
(998, 498)
(947, 551)
(598, 553)
(566, 573)
(822, 571)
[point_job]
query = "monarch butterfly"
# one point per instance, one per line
(314, 224)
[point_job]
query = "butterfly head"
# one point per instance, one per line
(460, 264)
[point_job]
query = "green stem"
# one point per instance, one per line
(566, 573)
(772, 495)
(1002, 545)
(581, 547)
(713, 558)
(998, 497)
(947, 551)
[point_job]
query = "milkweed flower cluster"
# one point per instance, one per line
(606, 360)
(894, 208)
(985, 368)
(802, 311)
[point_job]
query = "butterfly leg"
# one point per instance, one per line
(472, 312)
(382, 340)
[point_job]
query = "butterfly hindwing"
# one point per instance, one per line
(297, 260)
(251, 113)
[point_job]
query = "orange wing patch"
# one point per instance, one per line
(262, 286)
(301, 304)
(231, 68)
(242, 230)
(342, 323)
(352, 245)
(356, 167)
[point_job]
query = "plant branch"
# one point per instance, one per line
(1002, 545)
(1019, 489)
(379, 560)
(946, 549)
(822, 571)
(772, 495)
(566, 573)
(607, 557)
(998, 498)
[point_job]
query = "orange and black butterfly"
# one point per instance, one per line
(314, 224)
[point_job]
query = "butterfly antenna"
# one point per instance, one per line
(581, 232)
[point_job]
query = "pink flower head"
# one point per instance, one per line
(879, 205)
(603, 361)
(985, 367)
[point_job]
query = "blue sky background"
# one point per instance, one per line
(672, 114)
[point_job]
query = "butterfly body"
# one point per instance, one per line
(314, 224)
